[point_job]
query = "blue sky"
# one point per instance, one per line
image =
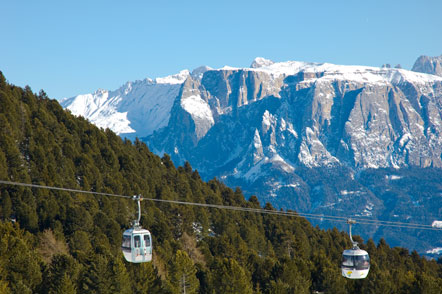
(76, 47)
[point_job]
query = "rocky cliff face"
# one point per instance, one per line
(430, 65)
(313, 115)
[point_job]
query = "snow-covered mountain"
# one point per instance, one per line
(296, 134)
(135, 109)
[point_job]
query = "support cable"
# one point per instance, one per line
(342, 219)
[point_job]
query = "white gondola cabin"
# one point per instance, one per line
(355, 262)
(137, 245)
(137, 242)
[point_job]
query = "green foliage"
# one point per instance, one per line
(182, 274)
(19, 259)
(70, 243)
(6, 206)
(229, 277)
(104, 274)
(61, 274)
(145, 278)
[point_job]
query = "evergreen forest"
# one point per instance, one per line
(65, 242)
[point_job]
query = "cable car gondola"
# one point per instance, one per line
(355, 262)
(137, 242)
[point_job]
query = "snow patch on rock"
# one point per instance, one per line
(437, 224)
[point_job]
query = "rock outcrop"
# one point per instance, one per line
(429, 65)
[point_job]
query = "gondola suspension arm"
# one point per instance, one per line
(138, 198)
(352, 222)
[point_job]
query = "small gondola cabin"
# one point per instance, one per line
(137, 245)
(355, 263)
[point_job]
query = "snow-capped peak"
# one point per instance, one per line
(135, 109)
(100, 92)
(178, 78)
(261, 62)
(328, 71)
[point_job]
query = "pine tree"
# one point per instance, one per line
(144, 278)
(62, 273)
(182, 274)
(18, 259)
(3, 281)
(105, 274)
(2, 81)
(229, 277)
(294, 279)
(66, 286)
(427, 284)
(6, 205)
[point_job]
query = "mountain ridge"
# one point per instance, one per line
(120, 123)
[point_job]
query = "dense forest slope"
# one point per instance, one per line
(63, 242)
